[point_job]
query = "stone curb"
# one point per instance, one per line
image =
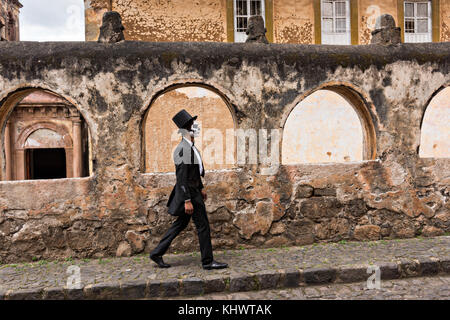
(236, 282)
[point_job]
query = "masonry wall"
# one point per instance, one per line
(395, 194)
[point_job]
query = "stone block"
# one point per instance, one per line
(215, 283)
(429, 267)
(367, 232)
(191, 286)
(24, 294)
(153, 289)
(132, 290)
(268, 279)
(389, 271)
(319, 275)
(291, 278)
(242, 282)
(102, 291)
(54, 293)
(349, 274)
(170, 288)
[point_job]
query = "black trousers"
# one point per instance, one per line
(203, 231)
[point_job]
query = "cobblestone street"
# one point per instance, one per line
(428, 288)
(250, 269)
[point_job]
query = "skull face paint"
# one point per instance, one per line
(195, 130)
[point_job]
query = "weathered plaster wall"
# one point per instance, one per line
(161, 134)
(445, 21)
(294, 21)
(369, 10)
(435, 138)
(155, 20)
(397, 195)
(323, 128)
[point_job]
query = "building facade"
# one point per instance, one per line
(9, 20)
(287, 21)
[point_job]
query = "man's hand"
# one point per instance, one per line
(204, 195)
(188, 207)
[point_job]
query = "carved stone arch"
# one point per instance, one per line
(77, 139)
(61, 130)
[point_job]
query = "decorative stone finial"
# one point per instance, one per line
(386, 33)
(256, 31)
(112, 28)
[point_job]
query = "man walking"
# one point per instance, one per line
(188, 196)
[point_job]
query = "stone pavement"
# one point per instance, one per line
(250, 269)
(426, 288)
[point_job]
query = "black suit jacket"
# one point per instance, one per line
(189, 181)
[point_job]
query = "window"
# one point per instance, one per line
(244, 9)
(335, 22)
(418, 22)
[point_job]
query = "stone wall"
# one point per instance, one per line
(9, 9)
(394, 194)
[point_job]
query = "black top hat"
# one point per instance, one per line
(182, 118)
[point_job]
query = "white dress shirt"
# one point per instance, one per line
(197, 154)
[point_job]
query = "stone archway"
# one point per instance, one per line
(36, 119)
(327, 126)
(215, 117)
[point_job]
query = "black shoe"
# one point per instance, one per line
(160, 262)
(215, 265)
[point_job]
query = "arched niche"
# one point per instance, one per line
(331, 125)
(435, 129)
(43, 137)
(217, 122)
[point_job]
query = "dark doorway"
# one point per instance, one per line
(46, 164)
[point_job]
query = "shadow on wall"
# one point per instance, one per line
(44, 137)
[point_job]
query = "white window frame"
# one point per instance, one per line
(340, 38)
(416, 37)
(242, 36)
